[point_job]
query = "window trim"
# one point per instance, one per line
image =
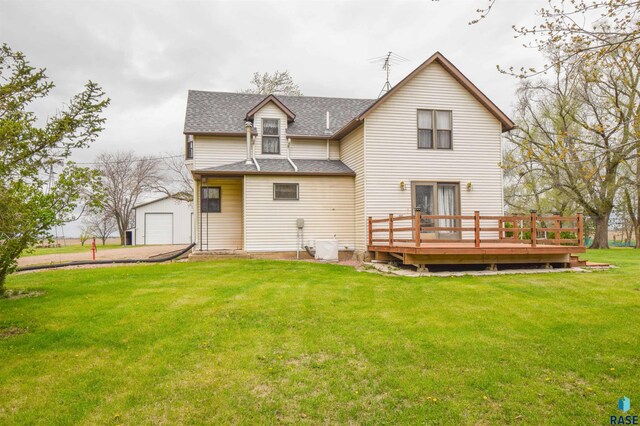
(275, 198)
(434, 129)
(202, 188)
(270, 136)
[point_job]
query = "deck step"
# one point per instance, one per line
(575, 262)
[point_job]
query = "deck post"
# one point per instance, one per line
(580, 224)
(390, 229)
(416, 227)
(476, 228)
(501, 234)
(370, 231)
(534, 228)
(557, 226)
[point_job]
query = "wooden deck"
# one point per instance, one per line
(422, 240)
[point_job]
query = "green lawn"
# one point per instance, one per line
(76, 248)
(254, 342)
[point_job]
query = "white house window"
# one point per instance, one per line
(434, 129)
(285, 191)
(425, 128)
(443, 124)
(270, 136)
(210, 199)
(189, 148)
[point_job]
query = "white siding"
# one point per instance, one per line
(392, 155)
(270, 110)
(212, 151)
(326, 204)
(352, 154)
(222, 231)
(314, 149)
(334, 150)
(181, 211)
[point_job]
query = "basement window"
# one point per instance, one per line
(286, 191)
(210, 199)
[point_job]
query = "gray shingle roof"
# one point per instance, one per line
(222, 112)
(267, 166)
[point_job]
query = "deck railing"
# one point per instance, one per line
(421, 230)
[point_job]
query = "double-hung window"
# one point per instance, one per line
(434, 129)
(270, 136)
(210, 199)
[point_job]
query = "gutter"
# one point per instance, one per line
(253, 154)
(295, 168)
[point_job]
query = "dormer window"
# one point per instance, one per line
(270, 136)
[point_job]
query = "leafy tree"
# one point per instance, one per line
(278, 83)
(576, 29)
(31, 201)
(577, 131)
(85, 234)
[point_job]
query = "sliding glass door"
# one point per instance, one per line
(437, 198)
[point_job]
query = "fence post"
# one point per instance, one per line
(476, 225)
(416, 227)
(581, 230)
(534, 228)
(370, 231)
(390, 229)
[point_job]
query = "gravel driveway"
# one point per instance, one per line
(140, 252)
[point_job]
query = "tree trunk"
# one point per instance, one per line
(601, 236)
(3, 277)
(636, 228)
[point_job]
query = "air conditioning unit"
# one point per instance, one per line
(327, 250)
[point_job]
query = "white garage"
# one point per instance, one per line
(164, 221)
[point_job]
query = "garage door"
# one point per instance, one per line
(158, 228)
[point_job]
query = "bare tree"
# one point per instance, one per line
(278, 83)
(101, 225)
(125, 178)
(176, 181)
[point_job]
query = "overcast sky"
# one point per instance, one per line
(147, 54)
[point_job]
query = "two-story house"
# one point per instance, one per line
(260, 163)
(275, 172)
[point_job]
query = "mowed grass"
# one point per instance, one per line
(255, 342)
(75, 248)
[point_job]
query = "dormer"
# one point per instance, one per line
(270, 119)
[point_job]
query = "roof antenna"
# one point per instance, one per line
(387, 60)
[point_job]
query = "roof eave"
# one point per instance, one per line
(271, 98)
(506, 123)
(228, 173)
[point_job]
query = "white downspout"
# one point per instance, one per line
(295, 168)
(247, 126)
(253, 157)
